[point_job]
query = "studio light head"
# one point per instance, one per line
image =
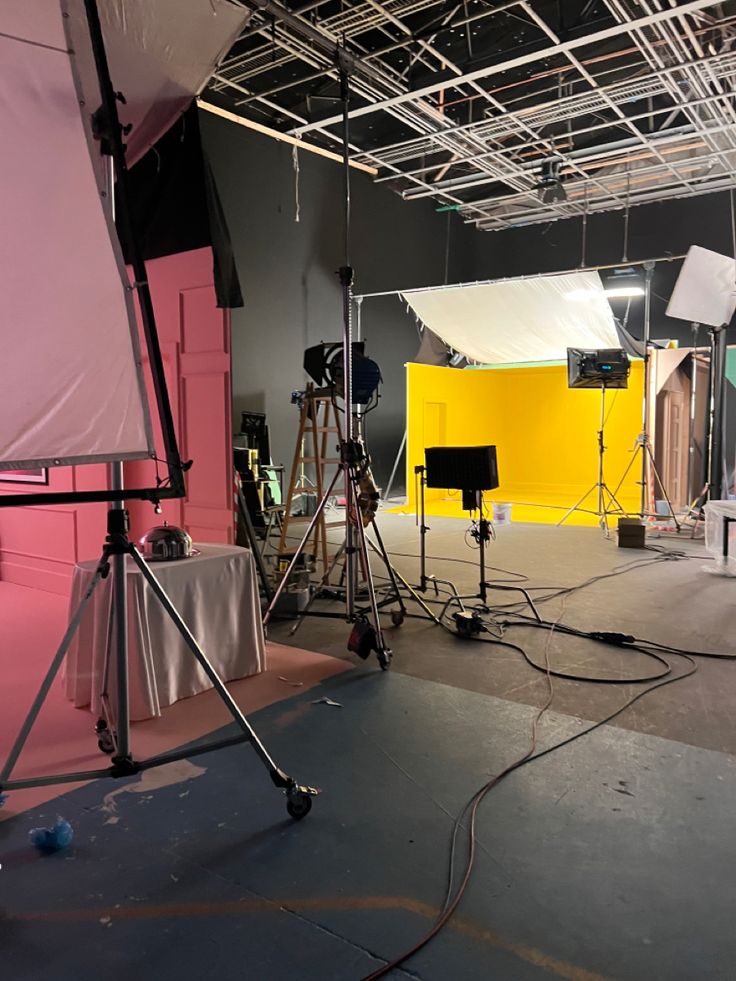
(607, 368)
(623, 282)
(550, 187)
(324, 364)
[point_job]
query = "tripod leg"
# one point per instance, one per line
(576, 506)
(407, 586)
(625, 474)
(662, 487)
(300, 548)
(279, 778)
(251, 533)
(384, 654)
(43, 691)
(381, 550)
(325, 582)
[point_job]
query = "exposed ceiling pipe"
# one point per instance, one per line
(692, 6)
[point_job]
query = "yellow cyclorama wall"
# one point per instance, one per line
(544, 432)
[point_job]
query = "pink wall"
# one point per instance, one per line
(39, 546)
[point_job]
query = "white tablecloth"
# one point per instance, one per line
(216, 593)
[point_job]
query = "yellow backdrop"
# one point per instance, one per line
(544, 432)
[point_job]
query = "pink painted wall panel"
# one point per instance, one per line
(207, 481)
(203, 327)
(39, 546)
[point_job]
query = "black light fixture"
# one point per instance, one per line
(550, 187)
(324, 363)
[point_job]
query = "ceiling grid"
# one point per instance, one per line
(483, 107)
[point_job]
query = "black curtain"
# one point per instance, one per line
(176, 207)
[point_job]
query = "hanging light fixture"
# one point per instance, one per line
(624, 282)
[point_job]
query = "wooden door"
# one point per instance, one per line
(435, 434)
(195, 343)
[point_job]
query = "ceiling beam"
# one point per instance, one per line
(563, 48)
(282, 137)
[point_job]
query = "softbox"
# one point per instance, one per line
(70, 371)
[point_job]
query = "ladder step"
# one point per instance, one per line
(303, 520)
(324, 459)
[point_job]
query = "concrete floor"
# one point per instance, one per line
(612, 858)
(669, 601)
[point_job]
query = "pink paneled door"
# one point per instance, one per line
(195, 343)
(40, 546)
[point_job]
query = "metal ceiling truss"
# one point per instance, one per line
(462, 101)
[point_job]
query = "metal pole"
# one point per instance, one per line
(395, 467)
(648, 273)
(346, 280)
(693, 409)
(718, 384)
(601, 451)
(119, 605)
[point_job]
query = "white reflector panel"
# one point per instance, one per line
(519, 320)
(71, 389)
(705, 291)
(160, 54)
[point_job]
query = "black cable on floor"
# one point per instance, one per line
(473, 804)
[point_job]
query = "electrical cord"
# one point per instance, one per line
(440, 558)
(473, 804)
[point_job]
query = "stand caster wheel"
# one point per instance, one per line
(397, 617)
(105, 741)
(384, 659)
(298, 806)
(106, 744)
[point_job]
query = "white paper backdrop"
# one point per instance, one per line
(520, 320)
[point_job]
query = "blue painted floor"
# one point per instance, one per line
(614, 858)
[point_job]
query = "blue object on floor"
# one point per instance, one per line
(52, 839)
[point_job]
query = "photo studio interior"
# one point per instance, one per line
(368, 490)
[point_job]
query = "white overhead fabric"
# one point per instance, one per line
(519, 320)
(160, 53)
(70, 380)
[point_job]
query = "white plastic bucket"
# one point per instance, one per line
(501, 513)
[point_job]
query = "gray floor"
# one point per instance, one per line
(612, 858)
(670, 601)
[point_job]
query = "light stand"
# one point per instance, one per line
(118, 548)
(420, 485)
(353, 457)
(695, 327)
(607, 502)
(643, 443)
(483, 535)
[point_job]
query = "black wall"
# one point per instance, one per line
(662, 229)
(292, 295)
(287, 272)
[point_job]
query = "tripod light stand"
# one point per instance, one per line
(353, 458)
(643, 443)
(598, 369)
